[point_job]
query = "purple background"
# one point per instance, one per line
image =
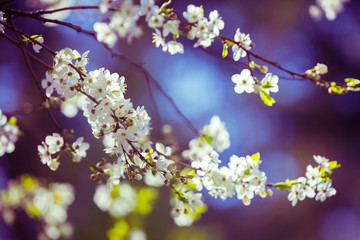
(305, 121)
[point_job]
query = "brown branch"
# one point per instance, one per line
(45, 20)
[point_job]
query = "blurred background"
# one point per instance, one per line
(305, 120)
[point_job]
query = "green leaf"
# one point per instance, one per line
(185, 171)
(207, 139)
(256, 157)
(145, 200)
(285, 185)
(225, 50)
(119, 230)
(333, 165)
(12, 121)
(26, 39)
(192, 174)
(281, 186)
(269, 101)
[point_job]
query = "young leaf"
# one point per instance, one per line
(269, 101)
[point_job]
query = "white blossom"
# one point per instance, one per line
(175, 47)
(37, 47)
(270, 83)
(119, 202)
(243, 82)
(80, 147)
(296, 193)
(242, 42)
(313, 175)
(323, 162)
(194, 200)
(215, 22)
(105, 34)
(219, 134)
(171, 26)
(54, 142)
(159, 40)
(324, 191)
(193, 13)
(156, 21)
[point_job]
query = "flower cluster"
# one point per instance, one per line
(246, 81)
(2, 19)
(123, 22)
(242, 175)
(9, 133)
(330, 7)
(119, 202)
(109, 114)
(54, 144)
(188, 206)
(317, 179)
(47, 204)
(124, 201)
(201, 28)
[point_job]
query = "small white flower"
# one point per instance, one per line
(270, 83)
(105, 34)
(194, 200)
(166, 151)
(313, 175)
(243, 42)
(36, 46)
(158, 40)
(80, 148)
(148, 8)
(296, 193)
(156, 21)
(193, 13)
(244, 82)
(175, 47)
(323, 162)
(46, 158)
(325, 190)
(219, 134)
(216, 24)
(171, 26)
(47, 84)
(54, 142)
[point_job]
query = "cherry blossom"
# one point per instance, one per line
(244, 82)
(242, 42)
(324, 191)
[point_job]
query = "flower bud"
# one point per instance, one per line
(264, 69)
(321, 68)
